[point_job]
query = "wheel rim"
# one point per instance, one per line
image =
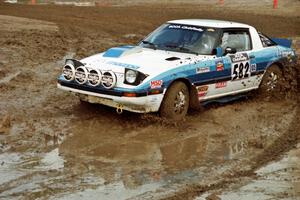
(180, 102)
(272, 81)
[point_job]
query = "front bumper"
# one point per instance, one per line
(140, 104)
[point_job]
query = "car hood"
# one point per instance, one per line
(145, 60)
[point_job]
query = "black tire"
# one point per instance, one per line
(176, 102)
(272, 84)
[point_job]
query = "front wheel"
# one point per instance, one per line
(176, 102)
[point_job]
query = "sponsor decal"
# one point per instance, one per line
(221, 84)
(240, 67)
(156, 84)
(240, 57)
(219, 65)
(193, 28)
(253, 68)
(123, 65)
(201, 70)
(202, 91)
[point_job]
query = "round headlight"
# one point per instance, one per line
(130, 76)
(69, 72)
(81, 74)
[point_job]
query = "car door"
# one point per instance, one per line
(237, 45)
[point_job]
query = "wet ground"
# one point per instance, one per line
(53, 147)
(278, 180)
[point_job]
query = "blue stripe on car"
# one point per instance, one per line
(116, 52)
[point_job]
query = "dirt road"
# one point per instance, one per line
(51, 146)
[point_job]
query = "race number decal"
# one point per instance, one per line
(240, 67)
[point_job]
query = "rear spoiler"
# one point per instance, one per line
(283, 42)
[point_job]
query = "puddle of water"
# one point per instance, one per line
(128, 159)
(278, 180)
(52, 161)
(129, 162)
(21, 173)
(112, 191)
(14, 165)
(8, 171)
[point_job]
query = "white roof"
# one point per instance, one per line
(210, 23)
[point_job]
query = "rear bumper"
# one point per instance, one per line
(142, 104)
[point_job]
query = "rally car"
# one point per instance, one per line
(182, 64)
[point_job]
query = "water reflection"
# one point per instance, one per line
(134, 157)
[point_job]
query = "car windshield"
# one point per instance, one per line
(183, 38)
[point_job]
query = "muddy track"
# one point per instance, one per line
(283, 144)
(55, 147)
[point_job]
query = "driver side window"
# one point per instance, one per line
(238, 39)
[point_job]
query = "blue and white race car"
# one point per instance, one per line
(182, 64)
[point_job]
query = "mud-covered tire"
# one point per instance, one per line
(176, 102)
(272, 84)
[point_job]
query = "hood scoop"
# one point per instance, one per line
(117, 52)
(172, 58)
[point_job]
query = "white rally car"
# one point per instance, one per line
(180, 65)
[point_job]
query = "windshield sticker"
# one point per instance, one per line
(123, 65)
(192, 28)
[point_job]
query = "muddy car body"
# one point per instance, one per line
(180, 65)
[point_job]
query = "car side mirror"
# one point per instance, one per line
(230, 50)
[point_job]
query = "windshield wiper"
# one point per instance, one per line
(188, 50)
(150, 43)
(181, 49)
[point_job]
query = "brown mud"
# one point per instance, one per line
(51, 146)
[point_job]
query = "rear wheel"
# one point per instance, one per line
(176, 102)
(272, 84)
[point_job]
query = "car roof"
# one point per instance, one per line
(210, 23)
